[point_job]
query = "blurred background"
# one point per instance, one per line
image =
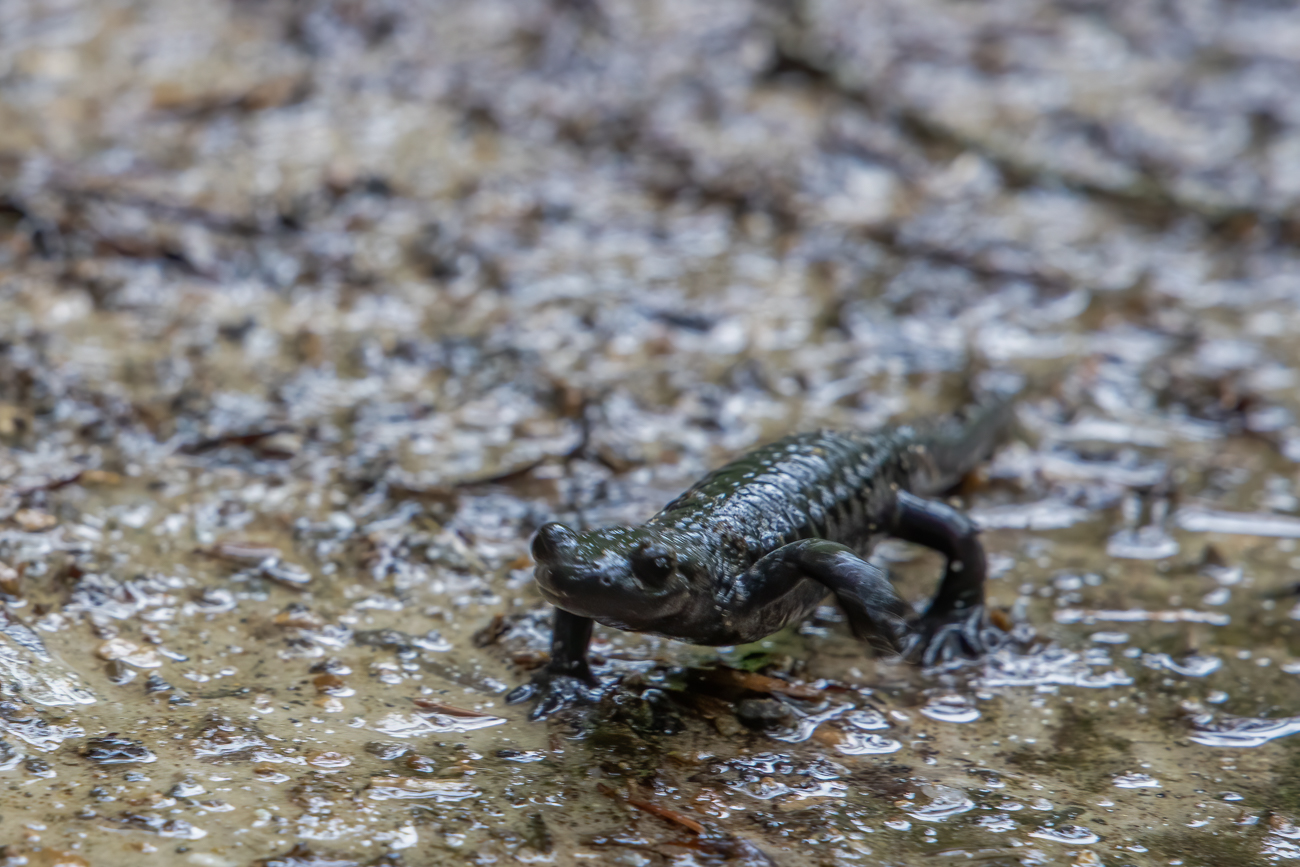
(310, 313)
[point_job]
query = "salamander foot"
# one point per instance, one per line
(554, 692)
(954, 637)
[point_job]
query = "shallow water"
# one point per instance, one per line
(311, 314)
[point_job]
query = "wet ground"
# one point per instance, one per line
(310, 313)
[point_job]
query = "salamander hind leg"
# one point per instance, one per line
(875, 612)
(953, 626)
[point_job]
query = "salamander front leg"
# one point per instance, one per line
(953, 626)
(875, 612)
(566, 679)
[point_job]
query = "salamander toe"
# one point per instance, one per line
(554, 692)
(953, 639)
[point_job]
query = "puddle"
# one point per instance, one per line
(311, 315)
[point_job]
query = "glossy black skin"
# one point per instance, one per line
(761, 542)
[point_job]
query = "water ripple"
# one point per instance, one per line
(945, 802)
(1135, 781)
(951, 708)
(1225, 731)
(1050, 666)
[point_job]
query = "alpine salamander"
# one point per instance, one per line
(761, 542)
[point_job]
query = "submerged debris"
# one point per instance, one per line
(302, 855)
(114, 750)
(709, 840)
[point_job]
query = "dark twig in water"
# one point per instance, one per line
(232, 439)
(710, 838)
(431, 706)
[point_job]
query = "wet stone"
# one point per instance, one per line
(187, 788)
(764, 713)
(220, 739)
(287, 574)
(418, 764)
(388, 639)
(39, 767)
(319, 794)
(157, 824)
(327, 759)
(10, 583)
(386, 750)
(651, 712)
(330, 684)
(119, 673)
(10, 755)
(331, 666)
(115, 750)
(299, 615)
(154, 683)
(404, 645)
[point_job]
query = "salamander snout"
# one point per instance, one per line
(551, 540)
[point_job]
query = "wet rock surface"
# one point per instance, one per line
(311, 313)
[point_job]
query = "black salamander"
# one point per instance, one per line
(761, 542)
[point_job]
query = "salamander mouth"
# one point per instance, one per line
(548, 589)
(598, 597)
(566, 591)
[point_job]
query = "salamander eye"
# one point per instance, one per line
(550, 539)
(652, 563)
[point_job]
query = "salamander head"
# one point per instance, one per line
(627, 577)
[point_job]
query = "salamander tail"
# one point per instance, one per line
(955, 445)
